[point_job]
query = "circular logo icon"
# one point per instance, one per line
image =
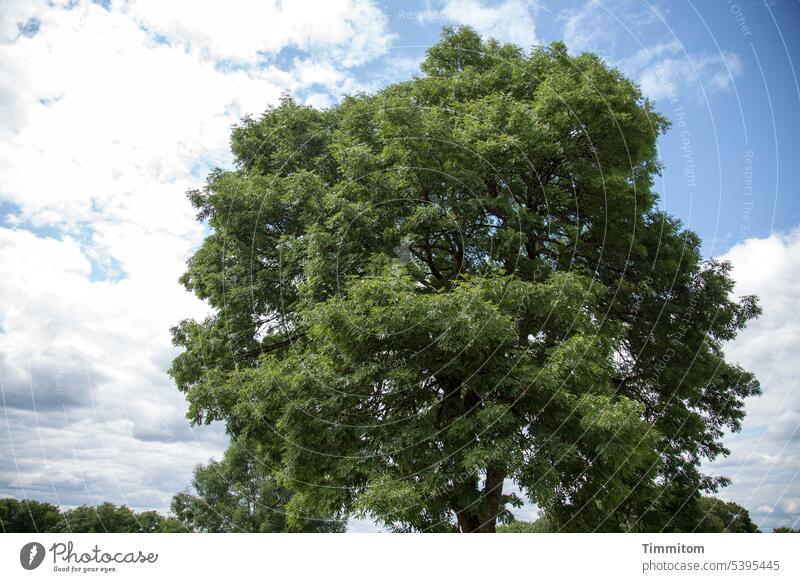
(31, 555)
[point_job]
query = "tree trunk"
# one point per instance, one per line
(492, 495)
(481, 516)
(468, 522)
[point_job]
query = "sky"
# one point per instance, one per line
(111, 110)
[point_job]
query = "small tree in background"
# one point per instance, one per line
(724, 517)
(540, 525)
(238, 495)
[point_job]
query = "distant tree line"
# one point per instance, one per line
(718, 517)
(221, 505)
(36, 516)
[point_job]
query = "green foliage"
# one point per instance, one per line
(34, 516)
(27, 516)
(541, 525)
(724, 517)
(106, 517)
(717, 516)
(785, 529)
(461, 280)
(238, 494)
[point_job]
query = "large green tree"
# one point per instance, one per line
(458, 282)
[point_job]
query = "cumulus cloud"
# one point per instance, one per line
(82, 365)
(509, 21)
(666, 71)
(609, 28)
(108, 109)
(591, 28)
(765, 459)
(352, 31)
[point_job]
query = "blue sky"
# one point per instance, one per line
(110, 111)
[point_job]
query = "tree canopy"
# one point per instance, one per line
(460, 282)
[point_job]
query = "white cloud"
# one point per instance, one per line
(99, 106)
(110, 115)
(311, 72)
(609, 28)
(351, 31)
(83, 386)
(765, 459)
(591, 28)
(509, 21)
(696, 76)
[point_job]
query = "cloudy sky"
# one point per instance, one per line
(111, 110)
